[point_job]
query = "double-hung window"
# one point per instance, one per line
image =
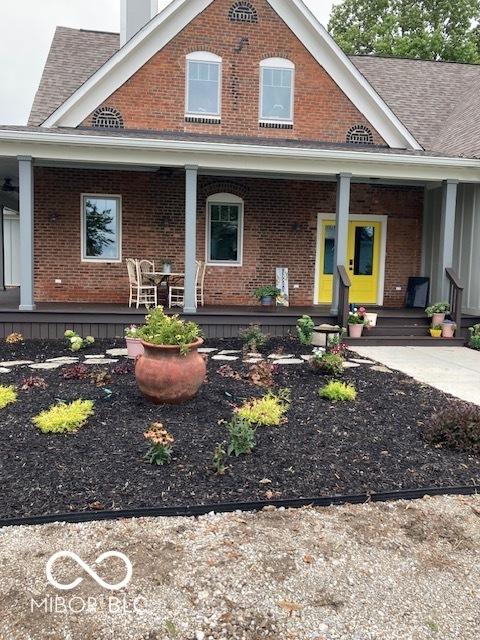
(101, 228)
(276, 90)
(204, 85)
(224, 230)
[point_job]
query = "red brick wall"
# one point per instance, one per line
(154, 98)
(280, 230)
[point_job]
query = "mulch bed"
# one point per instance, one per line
(373, 444)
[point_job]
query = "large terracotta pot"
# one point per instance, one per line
(164, 376)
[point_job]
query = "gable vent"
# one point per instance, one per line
(107, 118)
(243, 12)
(360, 134)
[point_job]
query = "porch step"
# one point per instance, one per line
(404, 341)
(397, 330)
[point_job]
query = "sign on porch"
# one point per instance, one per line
(282, 284)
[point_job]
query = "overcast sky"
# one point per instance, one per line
(26, 31)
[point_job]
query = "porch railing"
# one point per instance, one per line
(456, 297)
(343, 296)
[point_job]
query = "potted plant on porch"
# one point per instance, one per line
(171, 370)
(134, 343)
(437, 312)
(267, 294)
(356, 321)
(436, 331)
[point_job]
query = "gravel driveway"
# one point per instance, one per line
(405, 570)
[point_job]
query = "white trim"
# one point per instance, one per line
(354, 217)
(103, 196)
(281, 64)
(209, 58)
(227, 199)
(179, 13)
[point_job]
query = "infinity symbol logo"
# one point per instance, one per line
(89, 570)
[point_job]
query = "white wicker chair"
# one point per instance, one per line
(140, 293)
(176, 296)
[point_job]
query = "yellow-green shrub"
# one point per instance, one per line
(338, 391)
(64, 418)
(268, 411)
(8, 395)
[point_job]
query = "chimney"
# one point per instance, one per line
(134, 14)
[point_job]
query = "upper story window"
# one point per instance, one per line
(204, 80)
(276, 90)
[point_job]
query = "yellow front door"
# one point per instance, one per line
(363, 260)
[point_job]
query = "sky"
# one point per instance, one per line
(26, 31)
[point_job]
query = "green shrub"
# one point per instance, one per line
(457, 426)
(242, 436)
(64, 418)
(474, 342)
(336, 391)
(438, 307)
(8, 395)
(218, 461)
(76, 342)
(253, 338)
(169, 330)
(161, 442)
(329, 363)
(268, 411)
(305, 327)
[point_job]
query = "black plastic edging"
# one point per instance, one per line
(229, 507)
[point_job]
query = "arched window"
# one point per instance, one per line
(224, 245)
(243, 12)
(360, 134)
(107, 118)
(204, 85)
(276, 91)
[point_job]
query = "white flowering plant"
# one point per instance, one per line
(76, 342)
(358, 316)
(132, 332)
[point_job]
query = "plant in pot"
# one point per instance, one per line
(448, 329)
(171, 370)
(267, 294)
(134, 343)
(437, 312)
(474, 341)
(436, 331)
(356, 322)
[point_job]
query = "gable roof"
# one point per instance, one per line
(179, 13)
(74, 56)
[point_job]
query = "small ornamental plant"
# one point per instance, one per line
(336, 391)
(474, 341)
(64, 417)
(358, 316)
(456, 426)
(268, 411)
(218, 461)
(267, 291)
(253, 338)
(14, 338)
(328, 363)
(161, 329)
(33, 382)
(8, 395)
(242, 436)
(76, 342)
(305, 327)
(132, 332)
(161, 441)
(438, 307)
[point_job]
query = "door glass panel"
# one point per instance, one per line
(329, 250)
(364, 251)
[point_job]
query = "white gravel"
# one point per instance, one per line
(395, 571)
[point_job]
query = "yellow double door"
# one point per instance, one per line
(363, 260)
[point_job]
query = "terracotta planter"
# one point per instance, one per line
(438, 319)
(164, 376)
(448, 330)
(134, 347)
(355, 330)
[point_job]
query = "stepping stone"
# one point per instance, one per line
(15, 363)
(4, 370)
(255, 355)
(360, 361)
(228, 353)
(280, 356)
(291, 360)
(103, 360)
(225, 358)
(46, 366)
(350, 365)
(205, 350)
(63, 360)
(92, 357)
(381, 369)
(253, 360)
(307, 358)
(117, 352)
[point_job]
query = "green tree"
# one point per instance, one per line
(425, 29)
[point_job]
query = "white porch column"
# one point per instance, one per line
(190, 301)
(447, 235)
(341, 232)
(25, 172)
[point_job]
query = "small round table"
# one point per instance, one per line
(328, 330)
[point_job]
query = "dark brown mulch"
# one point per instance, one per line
(373, 444)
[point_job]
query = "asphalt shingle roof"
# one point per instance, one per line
(438, 102)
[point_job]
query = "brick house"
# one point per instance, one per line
(238, 133)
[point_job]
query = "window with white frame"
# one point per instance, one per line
(101, 228)
(224, 230)
(276, 90)
(204, 80)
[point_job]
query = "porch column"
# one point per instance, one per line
(447, 235)
(341, 233)
(190, 300)
(25, 172)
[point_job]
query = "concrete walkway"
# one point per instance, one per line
(454, 370)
